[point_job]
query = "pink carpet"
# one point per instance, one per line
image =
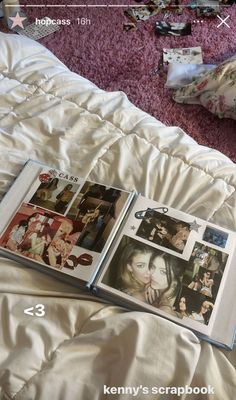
(117, 60)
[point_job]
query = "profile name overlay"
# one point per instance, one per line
(84, 21)
(136, 391)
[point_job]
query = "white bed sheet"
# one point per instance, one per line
(52, 115)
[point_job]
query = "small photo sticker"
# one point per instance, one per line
(215, 236)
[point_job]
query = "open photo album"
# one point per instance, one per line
(123, 247)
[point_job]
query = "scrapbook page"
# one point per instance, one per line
(62, 222)
(170, 263)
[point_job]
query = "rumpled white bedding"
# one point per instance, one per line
(81, 344)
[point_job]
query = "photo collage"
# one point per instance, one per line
(64, 224)
(150, 265)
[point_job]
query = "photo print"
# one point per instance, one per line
(165, 28)
(42, 236)
(215, 236)
(208, 8)
(188, 55)
(204, 270)
(190, 304)
(151, 8)
(54, 194)
(164, 230)
(96, 207)
(136, 14)
(204, 283)
(146, 274)
(172, 6)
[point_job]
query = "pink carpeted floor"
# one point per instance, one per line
(114, 59)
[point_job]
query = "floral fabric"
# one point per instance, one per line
(215, 90)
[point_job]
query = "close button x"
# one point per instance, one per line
(223, 21)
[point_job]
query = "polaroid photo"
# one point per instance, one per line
(189, 55)
(207, 8)
(165, 28)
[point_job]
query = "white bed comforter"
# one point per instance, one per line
(50, 114)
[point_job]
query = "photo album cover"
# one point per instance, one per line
(123, 247)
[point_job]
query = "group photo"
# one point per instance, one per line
(164, 230)
(42, 236)
(193, 305)
(54, 194)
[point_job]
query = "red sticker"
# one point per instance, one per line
(44, 178)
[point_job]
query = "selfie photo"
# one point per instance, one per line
(149, 275)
